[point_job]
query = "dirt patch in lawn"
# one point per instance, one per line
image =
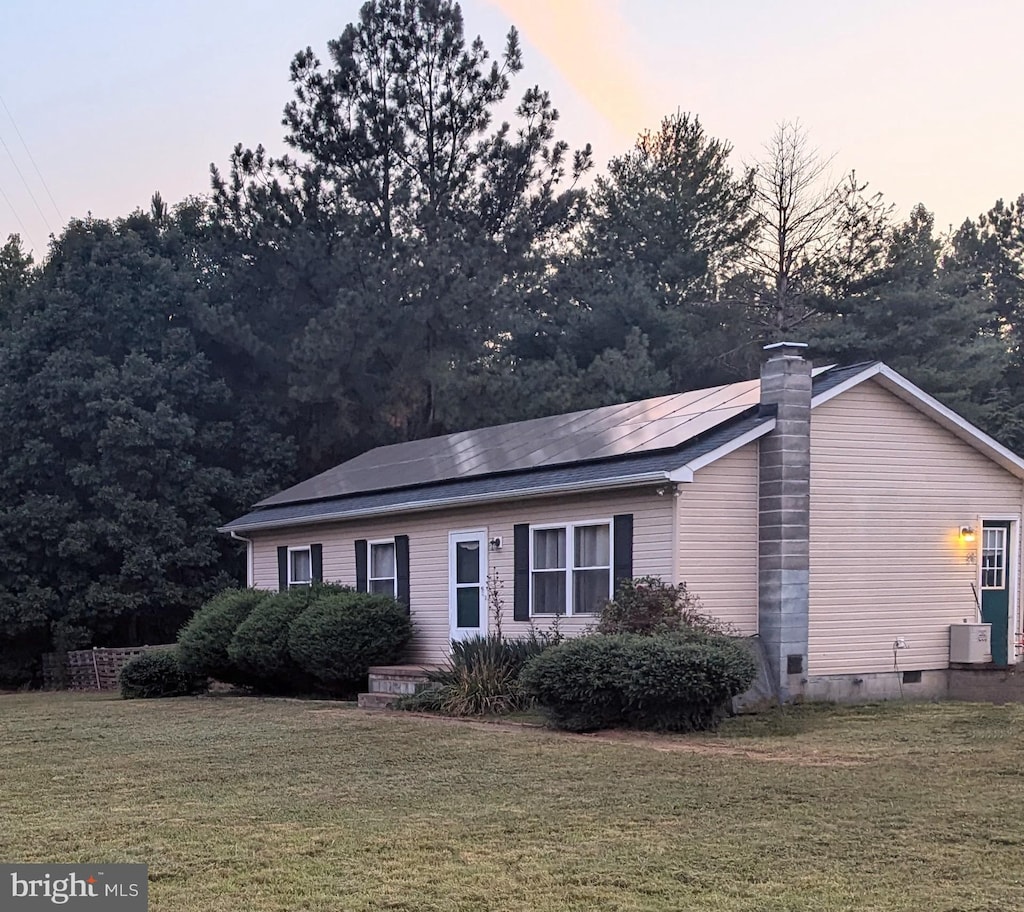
(700, 745)
(668, 743)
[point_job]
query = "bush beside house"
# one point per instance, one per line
(320, 638)
(656, 662)
(259, 648)
(669, 681)
(203, 642)
(341, 634)
(159, 674)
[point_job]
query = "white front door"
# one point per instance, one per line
(467, 583)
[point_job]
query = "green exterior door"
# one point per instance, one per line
(996, 585)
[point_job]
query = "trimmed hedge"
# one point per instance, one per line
(671, 682)
(340, 635)
(259, 647)
(159, 674)
(203, 642)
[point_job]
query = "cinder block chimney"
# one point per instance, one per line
(784, 498)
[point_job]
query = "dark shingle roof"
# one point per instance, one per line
(649, 468)
(627, 429)
(731, 412)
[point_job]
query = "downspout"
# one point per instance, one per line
(249, 572)
(675, 534)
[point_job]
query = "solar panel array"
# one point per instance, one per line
(631, 428)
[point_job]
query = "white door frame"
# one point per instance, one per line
(480, 537)
(1012, 560)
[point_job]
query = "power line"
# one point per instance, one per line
(32, 196)
(28, 152)
(10, 205)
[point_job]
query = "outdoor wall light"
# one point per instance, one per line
(967, 534)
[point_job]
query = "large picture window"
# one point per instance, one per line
(570, 568)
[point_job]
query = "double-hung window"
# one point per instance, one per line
(383, 576)
(300, 567)
(570, 568)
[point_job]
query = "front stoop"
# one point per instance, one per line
(388, 682)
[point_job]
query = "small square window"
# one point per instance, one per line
(383, 578)
(300, 567)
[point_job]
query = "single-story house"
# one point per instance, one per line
(850, 542)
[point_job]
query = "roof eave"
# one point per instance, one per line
(465, 500)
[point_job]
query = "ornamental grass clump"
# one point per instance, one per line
(481, 677)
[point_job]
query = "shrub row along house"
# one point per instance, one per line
(850, 543)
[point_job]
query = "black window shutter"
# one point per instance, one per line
(316, 562)
(402, 569)
(282, 568)
(361, 558)
(521, 573)
(622, 560)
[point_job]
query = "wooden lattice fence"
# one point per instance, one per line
(90, 669)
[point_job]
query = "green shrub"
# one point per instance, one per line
(341, 634)
(674, 682)
(259, 648)
(480, 678)
(158, 674)
(203, 642)
(650, 606)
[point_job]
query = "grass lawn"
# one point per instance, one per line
(246, 804)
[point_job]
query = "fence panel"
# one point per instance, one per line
(90, 669)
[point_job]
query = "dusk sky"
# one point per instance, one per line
(107, 101)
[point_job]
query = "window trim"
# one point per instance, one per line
(569, 528)
(294, 549)
(370, 578)
(999, 571)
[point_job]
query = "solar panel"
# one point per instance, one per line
(626, 429)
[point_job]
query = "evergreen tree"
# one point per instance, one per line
(122, 451)
(667, 226)
(913, 314)
(415, 229)
(987, 261)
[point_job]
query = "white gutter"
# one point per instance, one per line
(440, 503)
(250, 572)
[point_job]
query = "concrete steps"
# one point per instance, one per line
(388, 682)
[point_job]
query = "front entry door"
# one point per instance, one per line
(996, 585)
(467, 584)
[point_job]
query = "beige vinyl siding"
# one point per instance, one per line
(428, 552)
(889, 491)
(718, 537)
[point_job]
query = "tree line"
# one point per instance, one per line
(413, 266)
